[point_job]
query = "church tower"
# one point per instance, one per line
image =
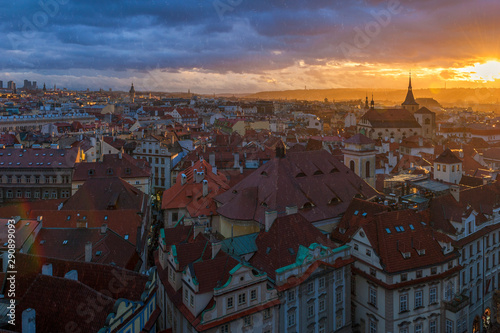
(131, 93)
(359, 156)
(410, 104)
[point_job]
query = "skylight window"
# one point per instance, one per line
(126, 237)
(65, 242)
(364, 214)
(356, 212)
(399, 228)
(388, 230)
(412, 227)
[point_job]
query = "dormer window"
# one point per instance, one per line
(109, 171)
(127, 171)
(91, 172)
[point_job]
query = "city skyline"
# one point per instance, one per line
(243, 47)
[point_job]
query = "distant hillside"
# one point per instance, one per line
(446, 97)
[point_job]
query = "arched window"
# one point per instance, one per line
(367, 171)
(351, 165)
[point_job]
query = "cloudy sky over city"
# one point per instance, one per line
(247, 46)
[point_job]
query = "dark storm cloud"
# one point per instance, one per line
(239, 36)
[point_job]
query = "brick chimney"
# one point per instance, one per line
(236, 160)
(88, 252)
(455, 192)
(211, 159)
(271, 215)
(104, 228)
(205, 187)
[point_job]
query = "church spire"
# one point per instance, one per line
(372, 103)
(410, 103)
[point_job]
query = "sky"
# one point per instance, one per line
(239, 46)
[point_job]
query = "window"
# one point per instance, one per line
(373, 272)
(403, 330)
(321, 305)
(224, 328)
(267, 313)
(248, 320)
(338, 321)
(242, 299)
(433, 295)
(419, 299)
(54, 195)
(368, 252)
(19, 194)
(444, 167)
(338, 276)
(433, 270)
(404, 277)
(37, 194)
(419, 274)
(291, 319)
(186, 294)
(229, 302)
(355, 247)
(291, 296)
(191, 301)
(321, 328)
(373, 296)
(27, 194)
(449, 326)
(322, 282)
(403, 303)
(439, 167)
(452, 168)
(310, 287)
(471, 250)
(352, 165)
(310, 311)
(418, 328)
(373, 326)
(367, 169)
(253, 295)
(338, 296)
(432, 326)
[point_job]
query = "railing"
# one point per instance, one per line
(457, 303)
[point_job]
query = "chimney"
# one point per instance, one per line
(216, 248)
(455, 192)
(420, 141)
(47, 269)
(195, 175)
(214, 170)
(271, 215)
(120, 155)
(236, 160)
(211, 159)
(88, 252)
(241, 169)
(104, 228)
(291, 210)
(28, 321)
(198, 229)
(205, 187)
(183, 179)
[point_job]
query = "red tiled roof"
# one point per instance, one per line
(38, 158)
(106, 193)
(390, 118)
(123, 222)
(316, 182)
(447, 157)
(190, 195)
(107, 247)
(359, 139)
(125, 167)
(287, 232)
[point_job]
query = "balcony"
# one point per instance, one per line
(457, 303)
